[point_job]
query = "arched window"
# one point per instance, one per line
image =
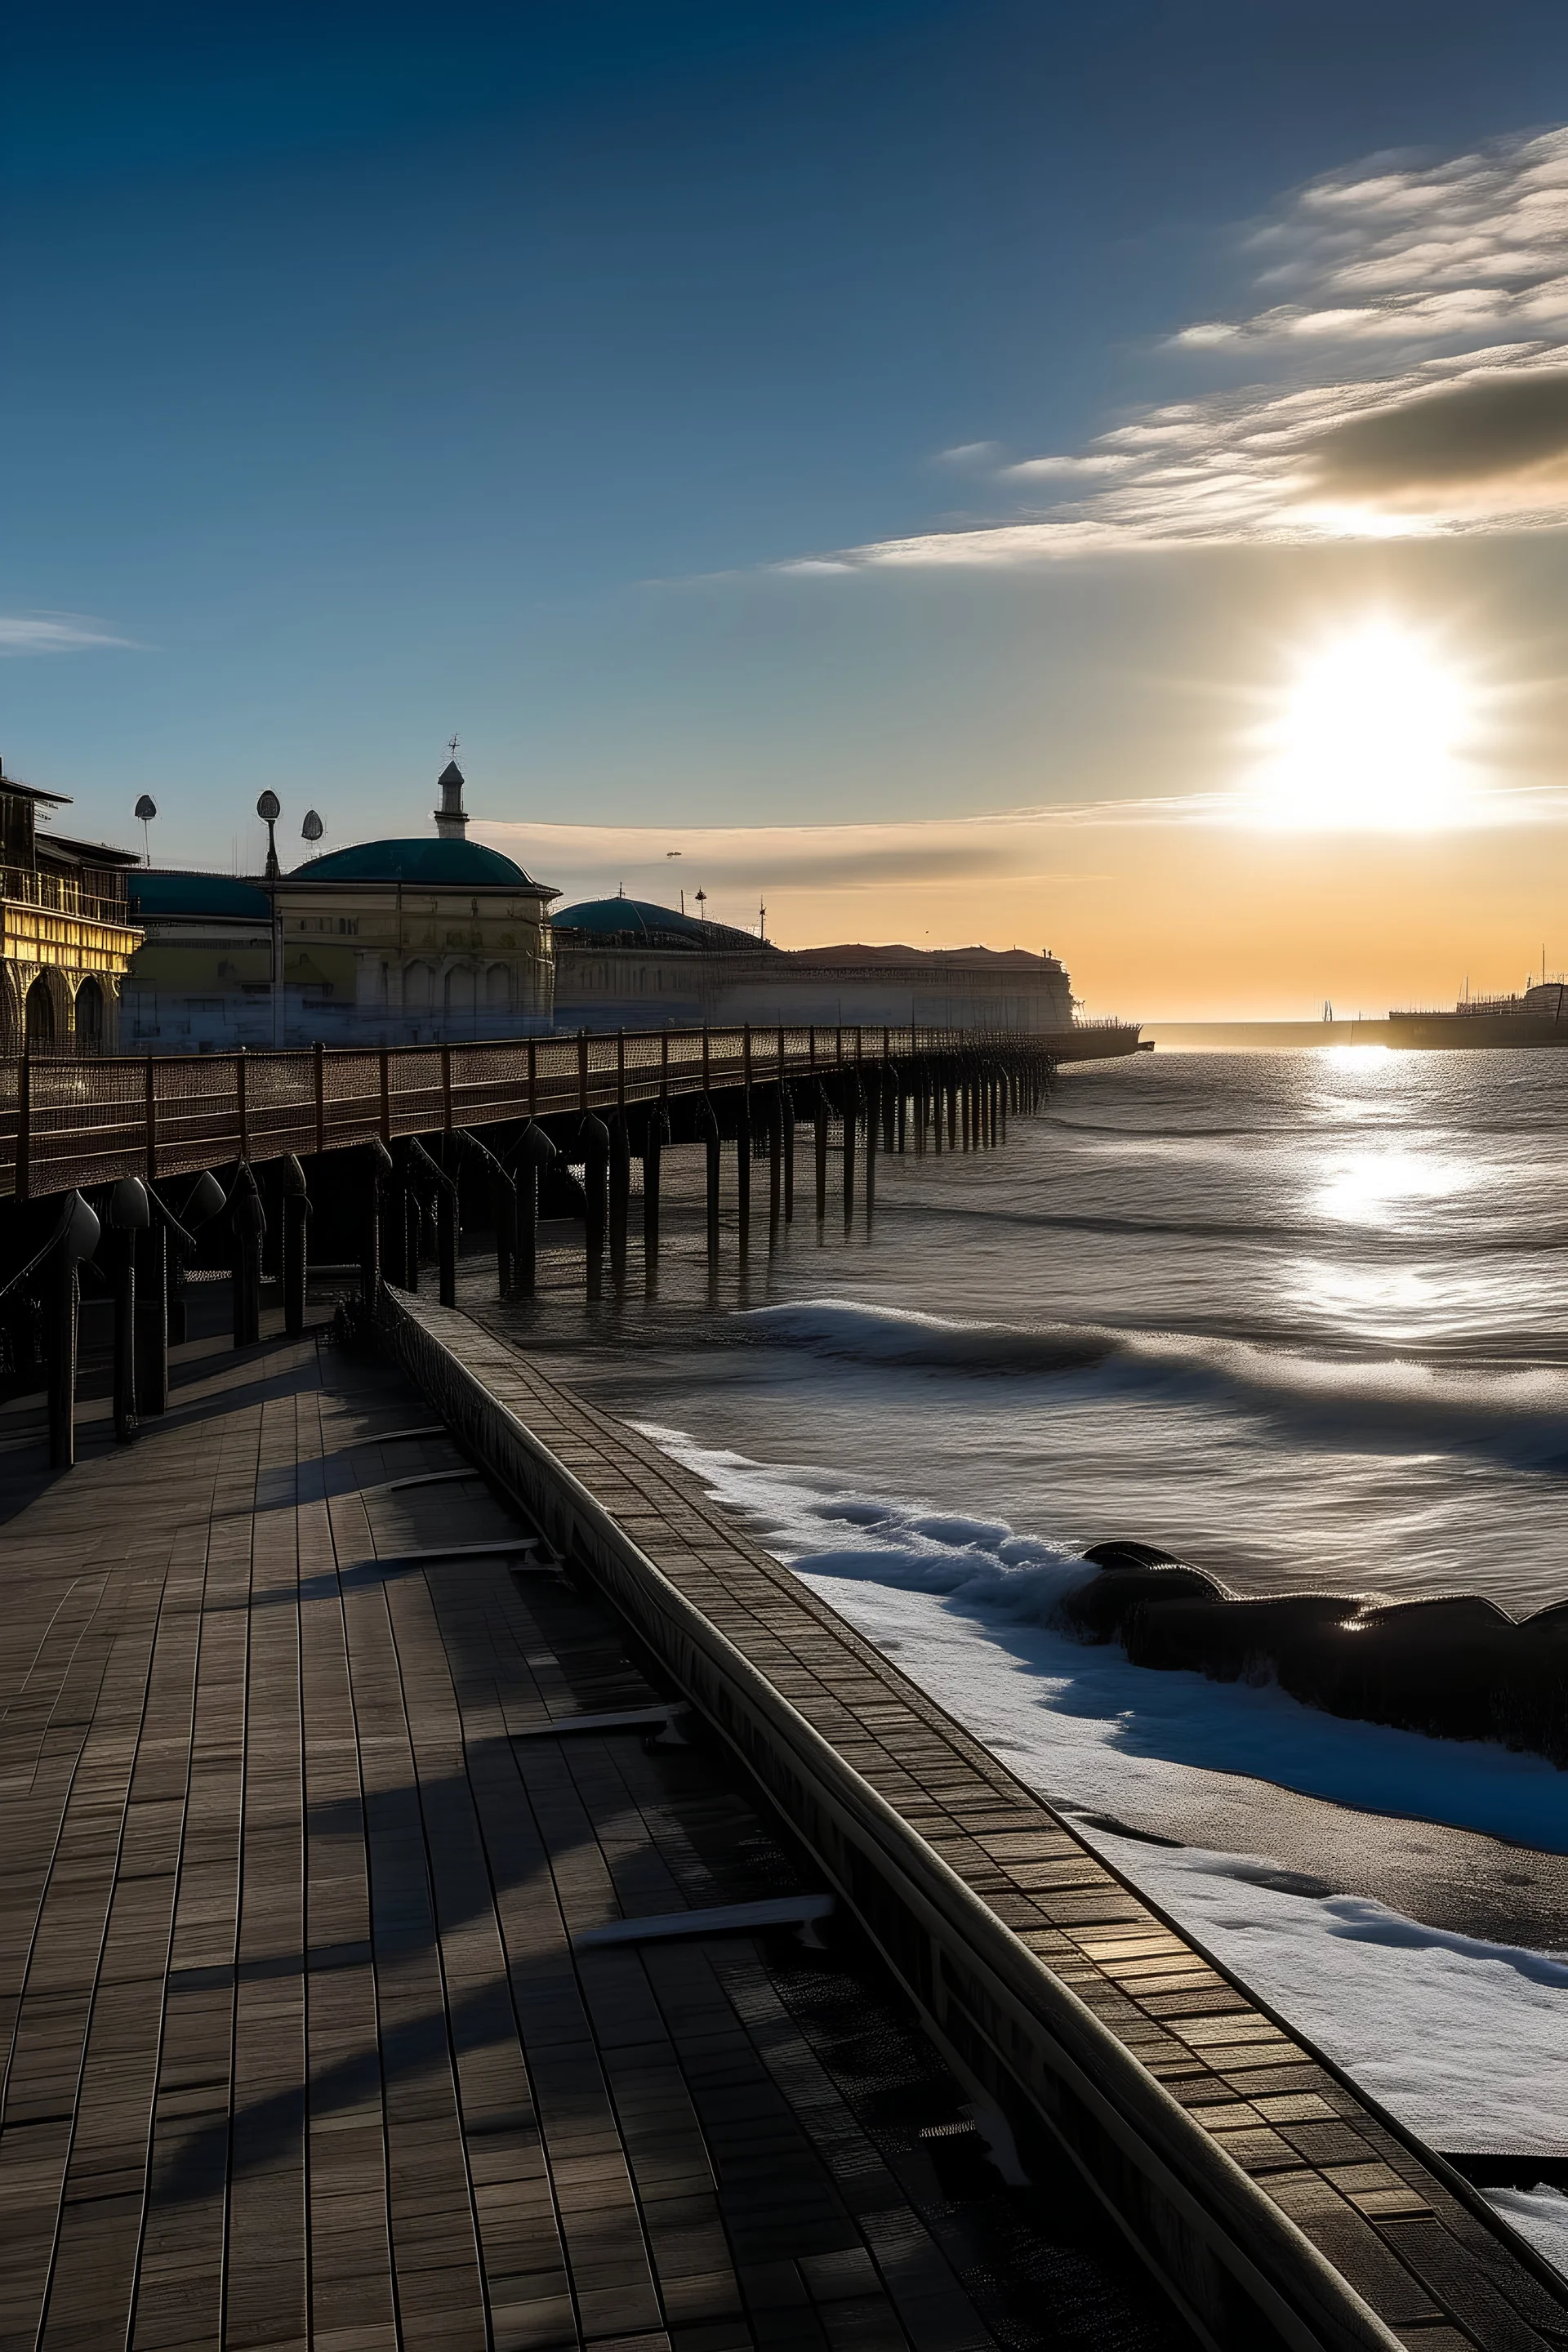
(460, 993)
(90, 1018)
(419, 988)
(498, 989)
(40, 1018)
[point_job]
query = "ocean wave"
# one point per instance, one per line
(973, 1610)
(1394, 1394)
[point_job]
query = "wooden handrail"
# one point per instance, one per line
(89, 1121)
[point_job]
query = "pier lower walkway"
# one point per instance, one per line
(1125, 2028)
(300, 2046)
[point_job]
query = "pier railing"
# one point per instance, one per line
(66, 1122)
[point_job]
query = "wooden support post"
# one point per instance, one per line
(901, 1112)
(850, 1116)
(129, 1216)
(446, 1241)
(296, 1269)
(153, 1317)
(820, 1140)
(515, 1210)
(652, 1146)
(25, 1128)
(953, 1110)
(775, 1160)
(874, 1116)
(743, 1166)
(379, 1167)
(62, 1307)
(247, 1231)
(583, 1072)
(620, 1192)
(786, 1129)
(595, 1187)
(708, 1126)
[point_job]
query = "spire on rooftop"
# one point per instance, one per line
(451, 817)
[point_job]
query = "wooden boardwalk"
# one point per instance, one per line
(1419, 2248)
(297, 2050)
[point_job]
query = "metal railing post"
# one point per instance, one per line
(25, 1128)
(532, 1076)
(583, 1072)
(320, 1057)
(150, 1114)
(385, 1096)
(243, 1104)
(447, 1089)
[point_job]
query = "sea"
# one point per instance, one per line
(1299, 1317)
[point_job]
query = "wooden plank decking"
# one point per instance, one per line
(297, 2048)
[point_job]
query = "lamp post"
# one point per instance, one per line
(269, 809)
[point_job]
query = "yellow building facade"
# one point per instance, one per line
(66, 934)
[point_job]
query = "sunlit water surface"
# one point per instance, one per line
(1300, 1317)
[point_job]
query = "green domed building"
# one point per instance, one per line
(421, 940)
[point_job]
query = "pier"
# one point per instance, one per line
(461, 1891)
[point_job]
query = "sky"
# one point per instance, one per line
(1092, 477)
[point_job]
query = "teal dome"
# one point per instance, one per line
(442, 863)
(151, 893)
(637, 922)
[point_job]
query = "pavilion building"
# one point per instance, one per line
(625, 963)
(417, 941)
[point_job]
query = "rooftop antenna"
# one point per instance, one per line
(269, 808)
(761, 921)
(146, 809)
(702, 904)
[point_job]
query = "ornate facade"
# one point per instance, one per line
(67, 934)
(431, 939)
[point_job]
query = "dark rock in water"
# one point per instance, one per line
(1455, 1666)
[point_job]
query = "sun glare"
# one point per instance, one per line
(1368, 735)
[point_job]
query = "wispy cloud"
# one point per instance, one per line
(1456, 272)
(52, 633)
(736, 864)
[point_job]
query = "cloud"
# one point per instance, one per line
(1410, 251)
(51, 632)
(1416, 329)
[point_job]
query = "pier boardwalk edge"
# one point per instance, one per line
(1273, 2201)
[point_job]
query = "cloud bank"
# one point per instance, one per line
(1415, 321)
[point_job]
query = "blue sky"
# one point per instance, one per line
(372, 372)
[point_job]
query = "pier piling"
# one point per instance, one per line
(296, 1205)
(247, 1231)
(595, 1145)
(128, 1216)
(655, 1136)
(708, 1128)
(620, 1196)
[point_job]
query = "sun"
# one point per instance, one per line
(1368, 735)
